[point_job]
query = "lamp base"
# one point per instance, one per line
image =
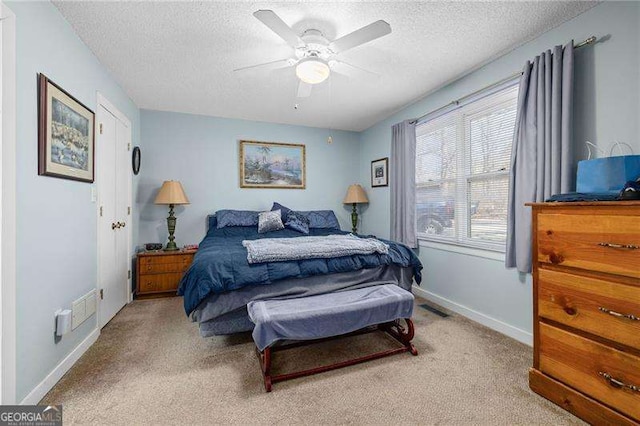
(171, 246)
(354, 219)
(171, 225)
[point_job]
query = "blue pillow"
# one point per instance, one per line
(246, 232)
(297, 222)
(212, 221)
(284, 211)
(321, 219)
(236, 218)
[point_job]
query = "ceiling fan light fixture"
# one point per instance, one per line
(312, 70)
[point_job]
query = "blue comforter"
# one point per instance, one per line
(221, 264)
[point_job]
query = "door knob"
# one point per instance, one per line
(122, 224)
(113, 226)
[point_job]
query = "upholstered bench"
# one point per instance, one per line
(327, 316)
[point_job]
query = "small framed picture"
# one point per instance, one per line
(65, 134)
(380, 172)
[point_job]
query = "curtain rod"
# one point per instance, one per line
(587, 42)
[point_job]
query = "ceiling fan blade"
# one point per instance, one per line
(273, 65)
(304, 89)
(361, 36)
(345, 68)
(278, 26)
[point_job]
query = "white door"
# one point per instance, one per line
(113, 180)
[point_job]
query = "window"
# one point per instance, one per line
(462, 172)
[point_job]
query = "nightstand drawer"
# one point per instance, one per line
(154, 260)
(159, 283)
(606, 374)
(604, 308)
(604, 243)
(147, 268)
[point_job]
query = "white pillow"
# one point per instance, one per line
(270, 221)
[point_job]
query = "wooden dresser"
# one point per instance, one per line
(158, 273)
(586, 284)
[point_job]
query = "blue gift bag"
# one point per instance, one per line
(607, 174)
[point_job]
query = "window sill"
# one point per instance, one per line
(461, 249)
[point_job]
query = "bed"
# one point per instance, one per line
(220, 282)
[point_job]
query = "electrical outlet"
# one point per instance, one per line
(78, 313)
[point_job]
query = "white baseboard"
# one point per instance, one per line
(52, 378)
(494, 324)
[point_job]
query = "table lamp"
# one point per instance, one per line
(171, 193)
(355, 195)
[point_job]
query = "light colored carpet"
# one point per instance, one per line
(151, 366)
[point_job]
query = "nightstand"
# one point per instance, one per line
(158, 273)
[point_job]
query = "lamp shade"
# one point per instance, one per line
(171, 192)
(355, 194)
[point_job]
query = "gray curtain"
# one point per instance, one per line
(541, 158)
(403, 183)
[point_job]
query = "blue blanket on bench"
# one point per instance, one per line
(327, 315)
(220, 265)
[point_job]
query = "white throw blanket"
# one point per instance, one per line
(283, 249)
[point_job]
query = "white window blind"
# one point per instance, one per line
(462, 172)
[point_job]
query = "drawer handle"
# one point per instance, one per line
(621, 246)
(618, 314)
(617, 383)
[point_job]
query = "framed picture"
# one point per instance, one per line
(380, 172)
(65, 134)
(272, 165)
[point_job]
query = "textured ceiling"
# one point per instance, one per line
(180, 56)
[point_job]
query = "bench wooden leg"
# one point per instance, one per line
(398, 332)
(395, 329)
(265, 365)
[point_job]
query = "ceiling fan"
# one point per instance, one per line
(315, 56)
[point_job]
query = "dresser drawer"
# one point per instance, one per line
(604, 373)
(607, 309)
(161, 268)
(605, 243)
(184, 259)
(159, 283)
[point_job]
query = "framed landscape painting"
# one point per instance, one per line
(65, 134)
(272, 165)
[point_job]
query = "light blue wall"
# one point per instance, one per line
(607, 108)
(56, 220)
(202, 153)
(56, 227)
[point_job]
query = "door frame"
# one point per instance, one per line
(8, 209)
(104, 102)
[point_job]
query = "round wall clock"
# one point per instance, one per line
(135, 160)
